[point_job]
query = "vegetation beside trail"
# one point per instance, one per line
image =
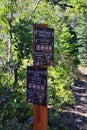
(69, 20)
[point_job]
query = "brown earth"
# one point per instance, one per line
(76, 116)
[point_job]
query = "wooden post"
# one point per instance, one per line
(40, 113)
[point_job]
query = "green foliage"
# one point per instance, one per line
(81, 31)
(60, 80)
(13, 103)
(80, 6)
(16, 26)
(22, 39)
(7, 9)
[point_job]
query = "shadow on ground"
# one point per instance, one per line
(76, 116)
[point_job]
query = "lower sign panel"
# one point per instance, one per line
(37, 85)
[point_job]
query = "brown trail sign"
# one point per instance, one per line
(37, 85)
(43, 46)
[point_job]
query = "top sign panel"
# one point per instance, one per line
(43, 46)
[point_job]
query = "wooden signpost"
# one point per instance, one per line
(37, 74)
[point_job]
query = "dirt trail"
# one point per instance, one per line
(76, 116)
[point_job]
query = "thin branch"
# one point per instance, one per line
(36, 6)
